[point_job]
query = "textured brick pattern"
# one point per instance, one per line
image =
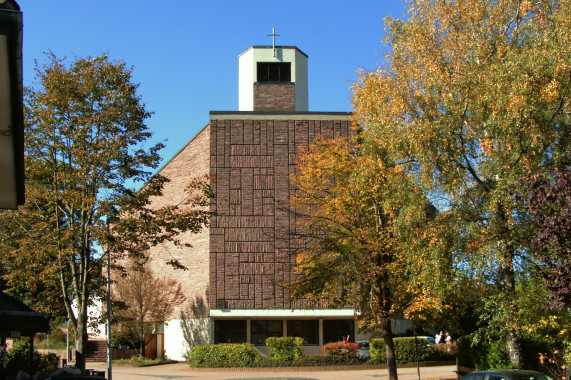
(191, 162)
(251, 249)
(274, 97)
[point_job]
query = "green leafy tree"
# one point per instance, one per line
(473, 95)
(85, 155)
(355, 238)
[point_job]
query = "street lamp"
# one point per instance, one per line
(110, 219)
(11, 106)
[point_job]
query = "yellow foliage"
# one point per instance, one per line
(550, 92)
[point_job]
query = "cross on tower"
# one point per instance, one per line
(274, 39)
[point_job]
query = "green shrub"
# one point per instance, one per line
(285, 348)
(57, 339)
(445, 351)
(493, 354)
(18, 358)
(222, 355)
(482, 355)
(468, 355)
(406, 350)
(341, 350)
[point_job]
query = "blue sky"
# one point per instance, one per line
(184, 53)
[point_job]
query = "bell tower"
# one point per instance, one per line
(273, 78)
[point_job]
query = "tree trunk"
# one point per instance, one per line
(507, 286)
(389, 348)
(81, 346)
(514, 349)
(506, 277)
(142, 338)
(81, 333)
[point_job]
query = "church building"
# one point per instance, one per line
(238, 266)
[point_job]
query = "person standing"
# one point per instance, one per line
(438, 337)
(448, 341)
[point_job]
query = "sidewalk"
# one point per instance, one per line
(182, 371)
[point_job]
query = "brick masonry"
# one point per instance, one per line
(191, 162)
(251, 248)
(270, 96)
(247, 254)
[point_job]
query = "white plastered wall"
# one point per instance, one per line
(197, 331)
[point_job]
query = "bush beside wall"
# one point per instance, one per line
(222, 355)
(285, 348)
(341, 350)
(406, 350)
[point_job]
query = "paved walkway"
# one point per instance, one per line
(181, 371)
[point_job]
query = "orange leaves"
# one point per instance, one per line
(550, 92)
(487, 145)
(362, 218)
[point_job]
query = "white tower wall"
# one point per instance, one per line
(247, 73)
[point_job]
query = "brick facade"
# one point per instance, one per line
(238, 267)
(247, 254)
(251, 248)
(271, 96)
(192, 161)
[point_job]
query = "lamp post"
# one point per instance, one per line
(11, 106)
(110, 219)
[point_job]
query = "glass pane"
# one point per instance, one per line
(275, 327)
(496, 377)
(232, 331)
(337, 330)
(285, 72)
(308, 330)
(261, 330)
(274, 72)
(258, 326)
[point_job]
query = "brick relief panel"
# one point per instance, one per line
(252, 252)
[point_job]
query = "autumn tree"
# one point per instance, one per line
(355, 238)
(147, 301)
(472, 96)
(85, 158)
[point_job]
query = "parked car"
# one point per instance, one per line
(507, 374)
(429, 339)
(364, 349)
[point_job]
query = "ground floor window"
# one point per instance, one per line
(230, 331)
(261, 330)
(256, 331)
(306, 329)
(337, 330)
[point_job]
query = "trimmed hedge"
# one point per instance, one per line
(341, 350)
(285, 348)
(406, 350)
(223, 355)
